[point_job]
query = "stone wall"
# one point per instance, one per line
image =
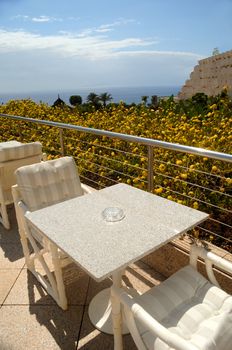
(209, 76)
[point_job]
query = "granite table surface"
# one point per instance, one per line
(101, 248)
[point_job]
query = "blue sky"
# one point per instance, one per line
(63, 45)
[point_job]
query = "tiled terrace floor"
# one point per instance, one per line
(31, 320)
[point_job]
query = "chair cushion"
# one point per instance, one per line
(9, 144)
(49, 182)
(12, 150)
(190, 306)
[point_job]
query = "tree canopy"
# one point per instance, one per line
(94, 99)
(105, 97)
(75, 100)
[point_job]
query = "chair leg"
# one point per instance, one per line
(26, 251)
(62, 299)
(4, 216)
(34, 255)
(53, 283)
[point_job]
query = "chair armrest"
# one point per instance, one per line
(25, 225)
(208, 255)
(23, 207)
(20, 207)
(87, 189)
(210, 260)
(22, 210)
(132, 304)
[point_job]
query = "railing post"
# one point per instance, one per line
(61, 141)
(150, 168)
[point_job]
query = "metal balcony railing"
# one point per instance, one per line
(195, 177)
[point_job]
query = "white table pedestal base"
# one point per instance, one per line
(100, 313)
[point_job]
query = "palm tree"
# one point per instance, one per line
(105, 97)
(94, 99)
(154, 101)
(144, 99)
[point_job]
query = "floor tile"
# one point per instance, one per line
(39, 327)
(11, 256)
(7, 278)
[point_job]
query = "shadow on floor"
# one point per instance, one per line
(10, 239)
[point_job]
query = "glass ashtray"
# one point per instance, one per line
(113, 214)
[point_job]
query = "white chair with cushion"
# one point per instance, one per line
(38, 186)
(185, 312)
(14, 154)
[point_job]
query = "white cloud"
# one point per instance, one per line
(23, 17)
(104, 28)
(39, 19)
(110, 26)
(84, 44)
(158, 53)
(45, 19)
(67, 44)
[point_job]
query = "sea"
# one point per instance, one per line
(126, 94)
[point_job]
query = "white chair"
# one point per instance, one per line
(14, 154)
(185, 312)
(38, 186)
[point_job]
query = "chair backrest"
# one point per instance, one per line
(13, 155)
(14, 150)
(47, 183)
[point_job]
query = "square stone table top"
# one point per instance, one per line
(101, 248)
